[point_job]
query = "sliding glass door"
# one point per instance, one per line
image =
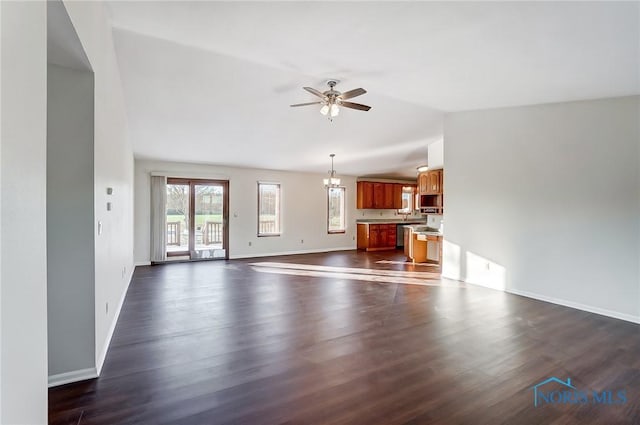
(197, 217)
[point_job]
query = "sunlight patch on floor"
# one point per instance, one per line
(352, 273)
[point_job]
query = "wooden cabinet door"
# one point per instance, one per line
(365, 195)
(441, 181)
(387, 202)
(378, 195)
(382, 235)
(391, 235)
(374, 235)
(423, 183)
(397, 196)
(433, 182)
(363, 242)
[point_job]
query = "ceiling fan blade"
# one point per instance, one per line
(357, 106)
(315, 92)
(306, 104)
(352, 93)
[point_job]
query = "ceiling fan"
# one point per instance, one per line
(333, 99)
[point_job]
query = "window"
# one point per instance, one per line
(336, 221)
(268, 209)
(407, 200)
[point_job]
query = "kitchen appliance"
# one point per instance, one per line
(408, 246)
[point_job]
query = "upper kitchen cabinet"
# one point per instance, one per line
(430, 182)
(379, 195)
(423, 183)
(397, 196)
(364, 198)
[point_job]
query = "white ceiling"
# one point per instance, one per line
(211, 82)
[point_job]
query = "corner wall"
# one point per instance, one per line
(113, 167)
(544, 201)
(23, 264)
(70, 235)
(304, 209)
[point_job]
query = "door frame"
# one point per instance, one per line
(192, 214)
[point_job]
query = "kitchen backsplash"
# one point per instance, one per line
(360, 214)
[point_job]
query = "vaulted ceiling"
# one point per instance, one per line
(211, 82)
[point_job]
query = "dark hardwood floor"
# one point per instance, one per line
(231, 343)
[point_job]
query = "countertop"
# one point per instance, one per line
(426, 231)
(391, 221)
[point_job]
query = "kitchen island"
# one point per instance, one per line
(382, 234)
(423, 244)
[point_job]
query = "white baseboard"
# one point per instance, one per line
(578, 306)
(304, 251)
(272, 254)
(107, 342)
(73, 376)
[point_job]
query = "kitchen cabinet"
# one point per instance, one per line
(397, 196)
(434, 249)
(365, 195)
(423, 183)
(387, 200)
(379, 195)
(427, 249)
(430, 182)
(376, 237)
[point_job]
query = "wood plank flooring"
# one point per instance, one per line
(231, 343)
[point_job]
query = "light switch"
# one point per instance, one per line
(108, 206)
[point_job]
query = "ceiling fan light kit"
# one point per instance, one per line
(332, 100)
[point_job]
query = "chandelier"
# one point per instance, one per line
(332, 181)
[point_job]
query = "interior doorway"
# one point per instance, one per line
(197, 216)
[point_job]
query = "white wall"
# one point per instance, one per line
(549, 197)
(304, 209)
(23, 320)
(70, 234)
(435, 155)
(113, 167)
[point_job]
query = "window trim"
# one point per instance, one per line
(344, 212)
(278, 207)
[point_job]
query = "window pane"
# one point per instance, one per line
(407, 200)
(177, 218)
(336, 210)
(268, 209)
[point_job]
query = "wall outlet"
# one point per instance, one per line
(106, 308)
(354, 238)
(99, 227)
(249, 243)
(301, 240)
